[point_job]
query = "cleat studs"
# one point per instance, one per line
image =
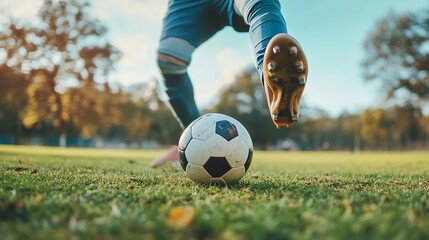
(299, 66)
(276, 49)
(295, 118)
(271, 66)
(275, 116)
(293, 51)
(302, 80)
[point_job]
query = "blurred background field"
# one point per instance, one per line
(407, 162)
(73, 75)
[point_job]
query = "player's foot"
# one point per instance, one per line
(285, 71)
(171, 155)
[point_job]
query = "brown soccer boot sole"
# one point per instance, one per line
(285, 72)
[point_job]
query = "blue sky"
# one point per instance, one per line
(331, 32)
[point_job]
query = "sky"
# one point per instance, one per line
(331, 33)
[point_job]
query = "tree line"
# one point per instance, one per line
(54, 83)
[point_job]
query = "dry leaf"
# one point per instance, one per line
(181, 217)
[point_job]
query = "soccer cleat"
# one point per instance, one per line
(285, 71)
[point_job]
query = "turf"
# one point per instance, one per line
(56, 193)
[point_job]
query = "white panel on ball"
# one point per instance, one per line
(234, 174)
(237, 152)
(197, 152)
(217, 145)
(197, 173)
(203, 129)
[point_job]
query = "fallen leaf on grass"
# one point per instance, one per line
(181, 217)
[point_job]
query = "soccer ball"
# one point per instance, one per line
(215, 148)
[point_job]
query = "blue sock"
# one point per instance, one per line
(181, 97)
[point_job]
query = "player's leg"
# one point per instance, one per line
(187, 24)
(178, 86)
(180, 93)
(179, 89)
(279, 58)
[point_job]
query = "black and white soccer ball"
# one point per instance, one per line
(215, 148)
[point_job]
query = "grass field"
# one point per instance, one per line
(55, 193)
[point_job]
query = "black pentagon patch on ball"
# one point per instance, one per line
(182, 159)
(248, 161)
(217, 166)
(226, 129)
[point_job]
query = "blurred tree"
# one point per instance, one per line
(135, 121)
(397, 54)
(138, 112)
(348, 136)
(317, 132)
(68, 47)
(404, 126)
(145, 116)
(244, 95)
(92, 110)
(122, 116)
(12, 101)
(374, 127)
(424, 125)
